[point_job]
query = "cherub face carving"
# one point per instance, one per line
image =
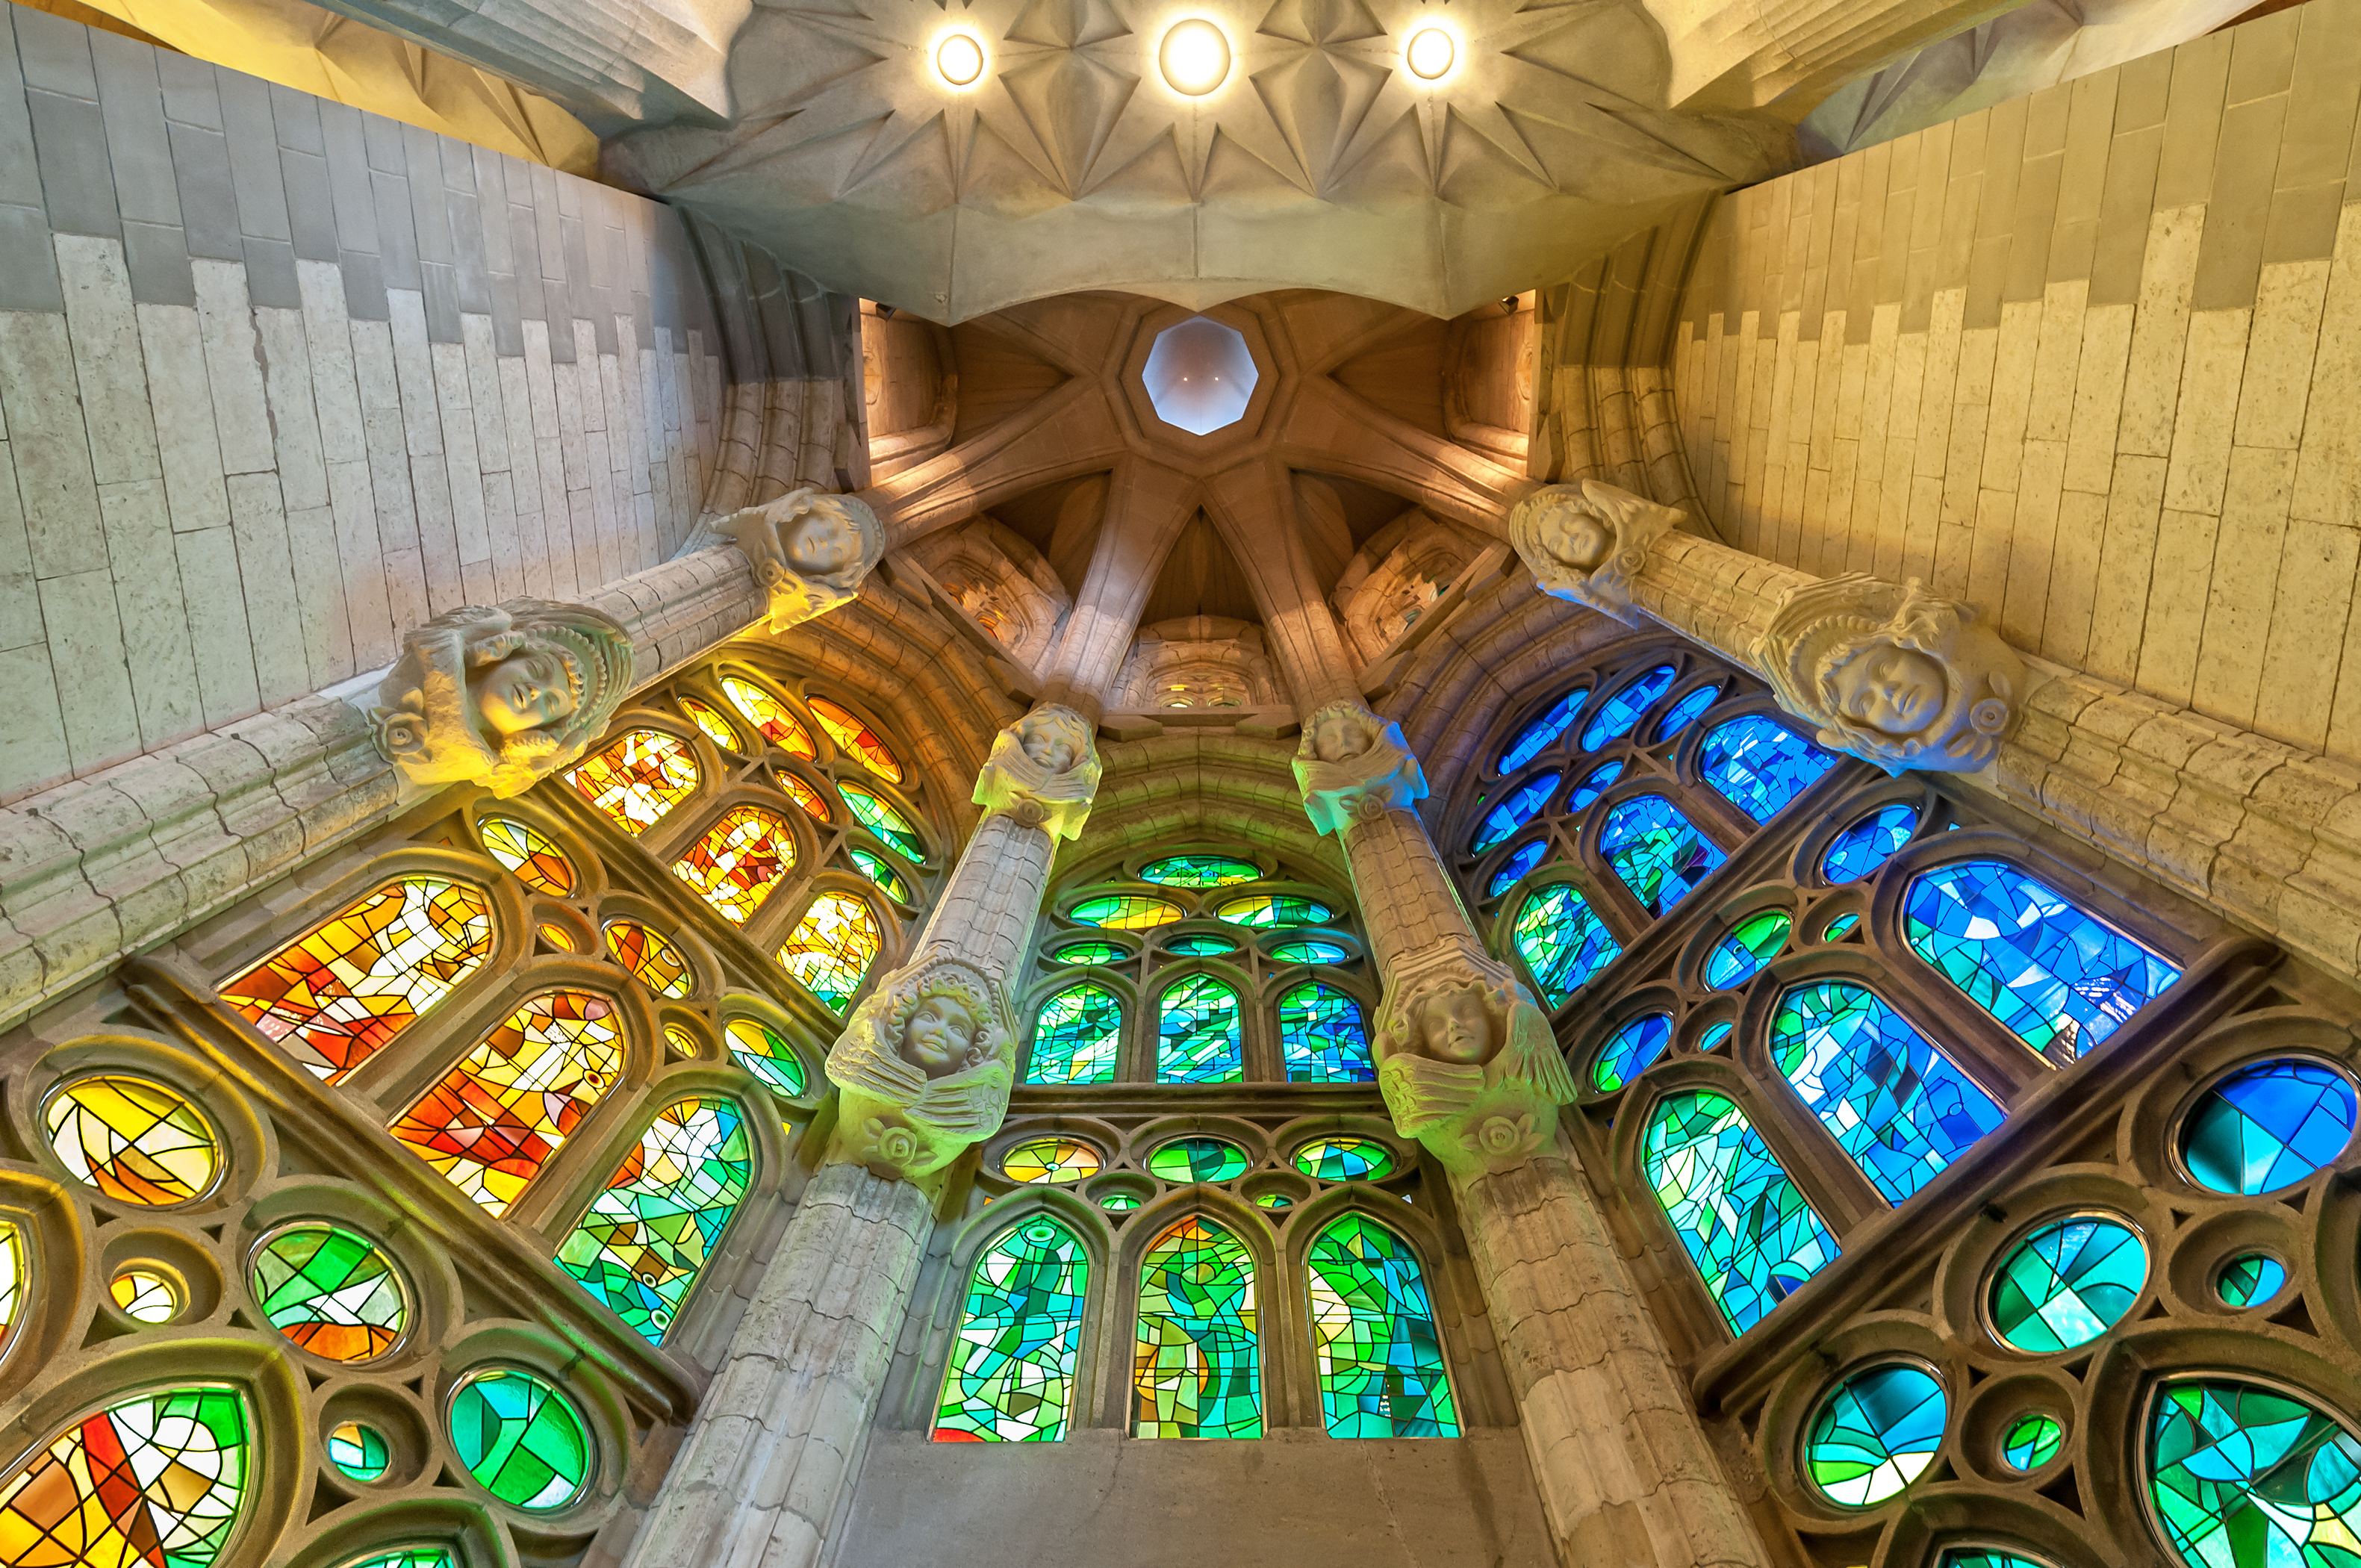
(527, 690)
(1340, 733)
(821, 543)
(1577, 535)
(939, 1035)
(1051, 742)
(1892, 689)
(1454, 1025)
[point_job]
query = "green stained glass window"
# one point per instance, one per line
(1273, 1200)
(156, 1480)
(1200, 947)
(1750, 944)
(1186, 1160)
(1987, 1557)
(522, 1441)
(1196, 1365)
(1125, 912)
(1199, 871)
(1563, 940)
(2244, 1477)
(2067, 1283)
(1345, 1159)
(1840, 927)
(1874, 1433)
(1117, 1202)
(1011, 1377)
(1744, 1224)
(644, 1240)
(1655, 851)
(2250, 1279)
(2031, 1440)
(1077, 1035)
(331, 1290)
(758, 1047)
(881, 818)
(1265, 911)
(2267, 1125)
(409, 1557)
(832, 947)
(1320, 1030)
(1373, 1335)
(1628, 1051)
(359, 1450)
(1090, 953)
(875, 867)
(1308, 952)
(1198, 1038)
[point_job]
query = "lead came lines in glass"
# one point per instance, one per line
(736, 863)
(1562, 941)
(1619, 712)
(1373, 1335)
(2269, 1124)
(1196, 1365)
(133, 1139)
(2241, 1475)
(1758, 764)
(639, 1247)
(1321, 1032)
(1655, 851)
(638, 779)
(160, 1476)
(1077, 1035)
(1199, 1040)
(1010, 1376)
(2066, 1284)
(522, 1441)
(1874, 1433)
(1745, 1225)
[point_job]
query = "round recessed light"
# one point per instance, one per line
(960, 58)
(1431, 53)
(1195, 58)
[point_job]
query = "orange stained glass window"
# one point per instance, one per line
(653, 962)
(856, 740)
(832, 947)
(337, 994)
(528, 852)
(680, 1040)
(779, 726)
(644, 775)
(803, 795)
(557, 936)
(708, 717)
(495, 1119)
(735, 864)
(134, 1139)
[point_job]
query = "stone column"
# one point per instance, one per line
(1468, 1067)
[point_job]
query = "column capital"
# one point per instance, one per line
(1467, 1063)
(1352, 765)
(1043, 771)
(1586, 541)
(924, 1066)
(810, 551)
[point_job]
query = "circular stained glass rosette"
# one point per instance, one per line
(359, 1450)
(1199, 871)
(1874, 1433)
(1049, 1162)
(2031, 1440)
(1345, 1159)
(2250, 1279)
(1198, 1159)
(1310, 952)
(1273, 1200)
(2066, 1283)
(2267, 1126)
(522, 1441)
(528, 852)
(331, 1291)
(134, 1140)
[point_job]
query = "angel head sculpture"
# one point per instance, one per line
(1353, 765)
(502, 696)
(810, 551)
(925, 1065)
(1468, 1066)
(1043, 770)
(1586, 541)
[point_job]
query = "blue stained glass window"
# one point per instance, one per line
(1321, 1030)
(1869, 843)
(2244, 1476)
(1737, 956)
(1684, 713)
(1077, 1035)
(1896, 1104)
(1622, 710)
(1513, 811)
(1563, 940)
(1310, 952)
(2250, 1279)
(2267, 1125)
(2066, 1284)
(1599, 781)
(1199, 1028)
(1714, 1035)
(1628, 1051)
(1746, 1226)
(1542, 732)
(1759, 764)
(1656, 852)
(1875, 1434)
(2043, 968)
(1987, 1557)
(1840, 927)
(1513, 869)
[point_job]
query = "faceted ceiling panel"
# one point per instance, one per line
(1200, 376)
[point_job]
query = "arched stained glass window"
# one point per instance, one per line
(2239, 1473)
(528, 852)
(1076, 1036)
(833, 947)
(735, 864)
(1373, 1335)
(642, 1243)
(1011, 1377)
(1629, 1051)
(495, 1119)
(766, 713)
(1684, 713)
(1199, 871)
(1751, 1233)
(2023, 954)
(1895, 1103)
(654, 961)
(855, 738)
(757, 1047)
(1869, 843)
(1198, 1036)
(638, 778)
(1196, 1365)
(1618, 713)
(880, 817)
(1321, 1031)
(1598, 782)
(1758, 764)
(336, 995)
(158, 1478)
(133, 1139)
(1513, 811)
(1542, 732)
(1655, 851)
(1563, 940)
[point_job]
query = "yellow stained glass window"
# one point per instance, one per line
(760, 1050)
(144, 1295)
(653, 962)
(12, 1278)
(766, 713)
(527, 850)
(638, 778)
(708, 717)
(803, 795)
(339, 993)
(134, 1140)
(735, 864)
(157, 1479)
(556, 935)
(856, 740)
(495, 1119)
(831, 949)
(682, 1042)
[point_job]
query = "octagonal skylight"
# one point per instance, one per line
(1199, 375)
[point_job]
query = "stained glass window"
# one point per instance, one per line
(1987, 1557)
(1513, 811)
(2066, 1284)
(855, 738)
(1869, 843)
(1200, 947)
(1750, 1232)
(1598, 782)
(1875, 1434)
(1186, 1160)
(1714, 1035)
(133, 1139)
(557, 936)
(1656, 852)
(1563, 940)
(12, 1276)
(1373, 1335)
(637, 779)
(1198, 1037)
(2244, 1476)
(1840, 927)
(1268, 911)
(158, 1479)
(1124, 912)
(1090, 953)
(883, 820)
(1308, 952)
(1629, 1050)
(766, 713)
(1684, 713)
(1344, 1159)
(2267, 1125)
(654, 961)
(708, 717)
(1050, 1162)
(643, 1242)
(337, 994)
(735, 864)
(810, 799)
(1759, 764)
(757, 1047)
(495, 1119)
(1011, 1377)
(887, 880)
(1895, 1103)
(1321, 1032)
(331, 1291)
(526, 850)
(2031, 1441)
(522, 1441)
(1618, 713)
(2043, 968)
(1751, 943)
(1542, 732)
(1196, 1369)
(832, 947)
(144, 1295)
(1077, 1035)
(1199, 871)
(361, 1451)
(2250, 1279)
(1512, 870)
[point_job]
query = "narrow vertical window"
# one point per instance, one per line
(1011, 1377)
(159, 1477)
(1077, 1037)
(638, 779)
(1325, 1041)
(1745, 1225)
(830, 949)
(1655, 851)
(1196, 1365)
(1198, 1038)
(1373, 1335)
(12, 1278)
(1562, 941)
(1758, 764)
(643, 1241)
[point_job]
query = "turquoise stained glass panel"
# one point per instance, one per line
(1628, 1051)
(1077, 1035)
(1198, 1038)
(1988, 1557)
(2031, 1441)
(1542, 732)
(1758, 764)
(1875, 1434)
(1618, 713)
(2250, 1279)
(1752, 942)
(1658, 853)
(2241, 1475)
(2267, 1125)
(1321, 1035)
(1010, 1376)
(1196, 1365)
(1563, 940)
(1199, 871)
(2066, 1284)
(1743, 1223)
(1513, 811)
(1373, 1335)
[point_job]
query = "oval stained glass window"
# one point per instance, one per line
(1518, 809)
(12, 1278)
(1748, 1228)
(1196, 1363)
(527, 851)
(1050, 1162)
(1308, 952)
(760, 1049)
(1752, 942)
(522, 1441)
(331, 1291)
(1684, 713)
(1512, 870)
(831, 948)
(1714, 1035)
(2250, 1279)
(654, 961)
(1077, 1037)
(1342, 1158)
(134, 1140)
(736, 863)
(1655, 851)
(1869, 843)
(1542, 732)
(1629, 1051)
(2240, 1473)
(1874, 1433)
(882, 876)
(1200, 947)
(810, 800)
(2031, 1441)
(1618, 713)
(640, 1246)
(1124, 912)
(1838, 930)
(637, 779)
(708, 717)
(880, 817)
(1322, 1038)
(1186, 1160)
(1119, 1202)
(158, 1478)
(361, 1451)
(1199, 871)
(1373, 1336)
(1011, 1372)
(1269, 911)
(855, 738)
(1987, 1557)
(1595, 783)
(2267, 1125)
(1758, 764)
(1198, 1036)
(766, 713)
(1562, 941)
(1089, 953)
(2066, 1284)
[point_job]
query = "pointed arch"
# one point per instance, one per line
(1012, 1368)
(1750, 1230)
(1374, 1339)
(643, 1241)
(1199, 1037)
(1196, 1354)
(163, 1475)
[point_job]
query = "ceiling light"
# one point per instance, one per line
(1431, 53)
(1195, 57)
(960, 58)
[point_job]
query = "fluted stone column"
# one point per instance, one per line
(1469, 1067)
